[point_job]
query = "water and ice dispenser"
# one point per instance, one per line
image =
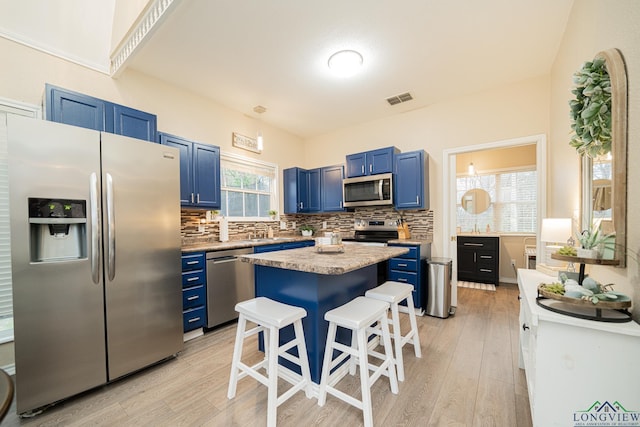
(57, 229)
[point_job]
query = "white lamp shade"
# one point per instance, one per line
(555, 230)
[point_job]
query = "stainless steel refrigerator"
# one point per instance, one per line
(95, 256)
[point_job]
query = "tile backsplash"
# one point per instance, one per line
(195, 229)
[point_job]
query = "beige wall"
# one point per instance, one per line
(595, 26)
(511, 111)
(179, 112)
(497, 159)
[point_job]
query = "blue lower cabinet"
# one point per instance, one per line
(194, 318)
(283, 246)
(411, 268)
(194, 291)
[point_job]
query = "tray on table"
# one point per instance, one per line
(603, 311)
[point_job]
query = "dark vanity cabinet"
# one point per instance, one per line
(478, 259)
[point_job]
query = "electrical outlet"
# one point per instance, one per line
(513, 262)
(283, 225)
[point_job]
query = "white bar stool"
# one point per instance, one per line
(357, 315)
(271, 316)
(394, 293)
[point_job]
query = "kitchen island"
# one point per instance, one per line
(318, 282)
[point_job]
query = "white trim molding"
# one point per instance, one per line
(140, 31)
(449, 191)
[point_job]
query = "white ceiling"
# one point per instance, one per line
(243, 53)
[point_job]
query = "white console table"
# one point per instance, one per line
(574, 366)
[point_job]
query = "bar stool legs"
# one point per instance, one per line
(271, 316)
(357, 315)
(394, 293)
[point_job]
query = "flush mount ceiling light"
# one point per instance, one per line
(345, 63)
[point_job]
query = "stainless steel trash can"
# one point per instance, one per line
(439, 287)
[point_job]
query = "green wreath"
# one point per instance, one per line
(591, 109)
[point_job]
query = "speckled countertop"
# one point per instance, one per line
(249, 243)
(310, 261)
(239, 244)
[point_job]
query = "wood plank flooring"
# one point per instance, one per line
(468, 376)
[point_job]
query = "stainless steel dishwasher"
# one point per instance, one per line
(229, 281)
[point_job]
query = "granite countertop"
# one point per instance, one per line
(310, 261)
(239, 244)
(412, 241)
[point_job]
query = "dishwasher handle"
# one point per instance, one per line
(223, 259)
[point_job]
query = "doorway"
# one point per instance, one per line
(449, 193)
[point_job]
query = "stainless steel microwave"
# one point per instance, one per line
(369, 190)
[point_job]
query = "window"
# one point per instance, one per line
(248, 187)
(513, 201)
(6, 294)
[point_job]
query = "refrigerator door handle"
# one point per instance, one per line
(95, 228)
(111, 230)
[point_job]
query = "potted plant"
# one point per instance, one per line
(272, 214)
(307, 230)
(590, 240)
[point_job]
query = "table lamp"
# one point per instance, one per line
(555, 232)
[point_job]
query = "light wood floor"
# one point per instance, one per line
(468, 376)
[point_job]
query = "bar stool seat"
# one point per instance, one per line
(271, 316)
(394, 293)
(357, 315)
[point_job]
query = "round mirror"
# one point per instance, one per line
(475, 201)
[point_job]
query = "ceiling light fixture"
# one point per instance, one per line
(471, 170)
(345, 63)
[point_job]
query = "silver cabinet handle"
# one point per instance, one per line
(484, 270)
(417, 200)
(195, 319)
(198, 198)
(473, 244)
(193, 298)
(111, 230)
(95, 228)
(370, 167)
(486, 256)
(400, 279)
(192, 262)
(191, 279)
(474, 257)
(192, 200)
(402, 265)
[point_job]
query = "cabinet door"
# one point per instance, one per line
(206, 175)
(380, 161)
(466, 263)
(313, 190)
(290, 188)
(134, 123)
(331, 188)
(410, 183)
(356, 165)
(186, 173)
(74, 109)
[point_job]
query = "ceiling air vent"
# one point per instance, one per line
(403, 97)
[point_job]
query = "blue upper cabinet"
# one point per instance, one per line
(75, 109)
(411, 180)
(301, 190)
(331, 188)
(72, 108)
(371, 162)
(314, 195)
(206, 172)
(199, 172)
(134, 123)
